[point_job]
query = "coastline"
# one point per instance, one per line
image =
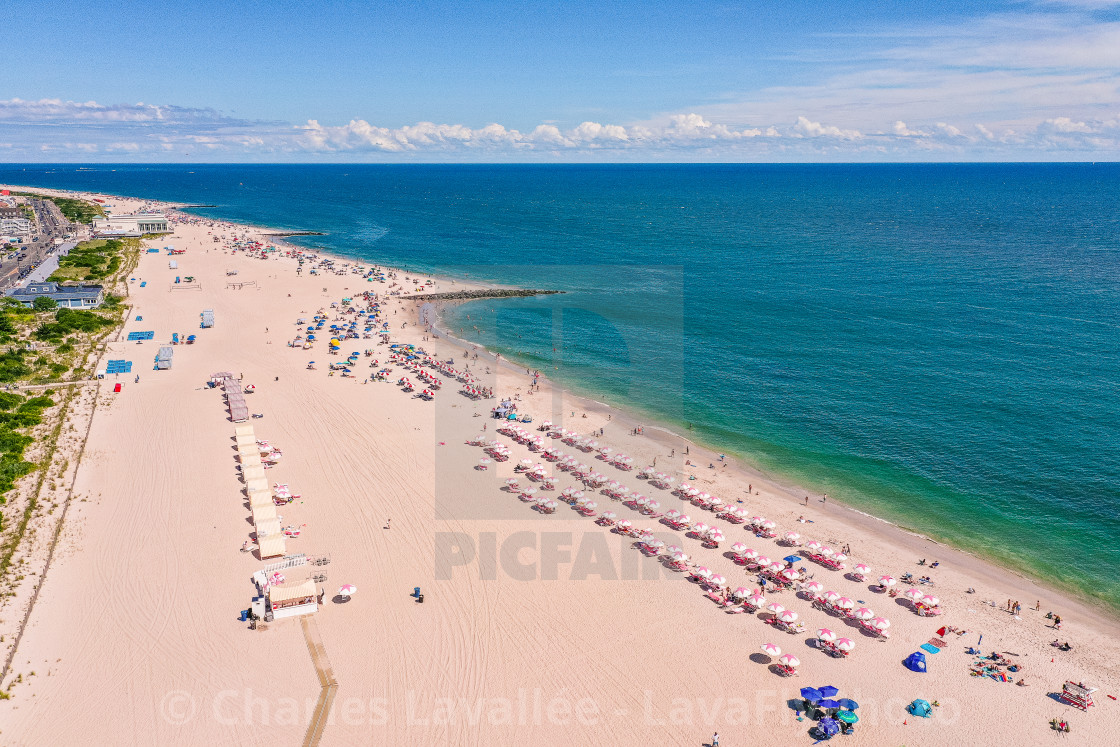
(747, 470)
(475, 637)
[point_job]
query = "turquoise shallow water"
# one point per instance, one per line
(938, 345)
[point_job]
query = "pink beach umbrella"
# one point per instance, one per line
(825, 551)
(704, 572)
(590, 506)
(775, 567)
(813, 545)
(888, 580)
(767, 524)
(839, 557)
(776, 608)
(930, 600)
(741, 593)
(790, 661)
(700, 527)
(763, 561)
(771, 649)
(715, 535)
(913, 594)
(609, 515)
(673, 549)
(672, 515)
(718, 580)
(831, 596)
(845, 644)
(348, 590)
(793, 536)
(787, 616)
(756, 600)
(862, 569)
(737, 548)
(685, 519)
(826, 635)
(880, 623)
(625, 524)
(813, 587)
(844, 603)
(750, 554)
(680, 557)
(653, 505)
(863, 613)
(790, 575)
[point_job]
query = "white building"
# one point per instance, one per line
(131, 225)
(16, 226)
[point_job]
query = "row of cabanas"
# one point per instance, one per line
(270, 535)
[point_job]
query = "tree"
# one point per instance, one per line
(43, 303)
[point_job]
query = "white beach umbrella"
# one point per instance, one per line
(913, 594)
(756, 600)
(609, 515)
(741, 593)
(880, 623)
(700, 527)
(831, 596)
(776, 608)
(737, 548)
(863, 613)
(763, 560)
(793, 536)
(776, 567)
(790, 660)
(771, 649)
(813, 587)
(813, 545)
(673, 550)
(826, 635)
(888, 580)
(845, 644)
(718, 580)
(930, 601)
(787, 616)
(844, 603)
(862, 568)
(750, 554)
(348, 590)
(825, 551)
(672, 515)
(703, 572)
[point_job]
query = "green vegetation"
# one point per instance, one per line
(43, 303)
(67, 321)
(78, 211)
(93, 260)
(17, 414)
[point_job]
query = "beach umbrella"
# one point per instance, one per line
(811, 694)
(609, 515)
(789, 574)
(930, 600)
(831, 596)
(790, 660)
(862, 569)
(763, 561)
(888, 580)
(828, 702)
(737, 548)
(655, 544)
(741, 593)
(590, 505)
(484, 461)
(673, 550)
(718, 580)
(814, 545)
(776, 608)
(793, 536)
(826, 635)
(825, 551)
(715, 535)
(680, 557)
(792, 559)
(348, 590)
(829, 691)
(913, 594)
(845, 644)
(775, 567)
(844, 603)
(703, 572)
(847, 717)
(787, 616)
(771, 649)
(685, 519)
(863, 613)
(756, 600)
(750, 554)
(767, 524)
(700, 527)
(653, 505)
(813, 587)
(839, 557)
(848, 703)
(880, 623)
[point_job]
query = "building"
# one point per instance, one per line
(66, 296)
(10, 211)
(131, 225)
(15, 226)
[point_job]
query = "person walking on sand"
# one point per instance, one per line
(715, 739)
(388, 523)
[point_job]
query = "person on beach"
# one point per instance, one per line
(806, 500)
(715, 739)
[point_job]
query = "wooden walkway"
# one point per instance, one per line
(327, 681)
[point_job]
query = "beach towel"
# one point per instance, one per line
(941, 631)
(929, 648)
(938, 642)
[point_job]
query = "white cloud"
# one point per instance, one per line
(807, 128)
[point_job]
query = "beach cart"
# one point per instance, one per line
(1077, 694)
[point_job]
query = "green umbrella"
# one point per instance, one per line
(847, 717)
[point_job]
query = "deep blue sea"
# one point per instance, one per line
(938, 345)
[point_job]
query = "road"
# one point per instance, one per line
(51, 224)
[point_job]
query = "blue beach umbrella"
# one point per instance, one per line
(828, 703)
(829, 691)
(829, 726)
(848, 703)
(811, 694)
(792, 559)
(847, 717)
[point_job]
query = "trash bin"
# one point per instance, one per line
(244, 615)
(416, 592)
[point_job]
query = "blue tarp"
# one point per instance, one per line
(118, 366)
(134, 336)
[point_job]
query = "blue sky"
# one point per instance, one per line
(349, 80)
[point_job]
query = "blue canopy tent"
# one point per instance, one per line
(811, 694)
(920, 708)
(829, 691)
(792, 559)
(916, 662)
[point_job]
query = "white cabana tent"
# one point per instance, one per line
(293, 600)
(272, 546)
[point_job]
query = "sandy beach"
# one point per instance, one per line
(535, 628)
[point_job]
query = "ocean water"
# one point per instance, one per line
(938, 345)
